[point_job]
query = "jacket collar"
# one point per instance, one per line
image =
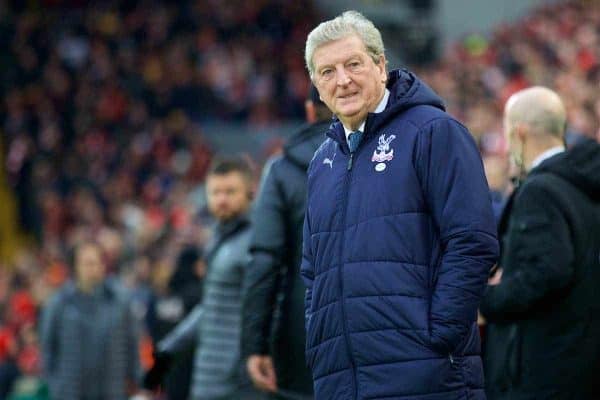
(406, 91)
(227, 228)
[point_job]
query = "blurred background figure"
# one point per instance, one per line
(169, 306)
(497, 171)
(213, 328)
(89, 337)
(541, 302)
(273, 340)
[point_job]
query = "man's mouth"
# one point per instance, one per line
(347, 96)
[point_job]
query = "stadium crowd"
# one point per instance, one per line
(556, 45)
(101, 127)
(101, 132)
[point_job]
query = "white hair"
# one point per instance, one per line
(540, 108)
(347, 24)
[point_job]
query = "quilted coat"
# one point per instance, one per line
(399, 238)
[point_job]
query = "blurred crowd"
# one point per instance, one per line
(556, 45)
(101, 128)
(102, 113)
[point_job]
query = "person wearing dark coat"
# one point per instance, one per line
(399, 234)
(89, 337)
(541, 308)
(165, 311)
(273, 316)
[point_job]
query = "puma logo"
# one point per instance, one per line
(329, 161)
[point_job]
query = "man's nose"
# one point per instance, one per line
(222, 200)
(342, 77)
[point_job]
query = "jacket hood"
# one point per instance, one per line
(406, 91)
(579, 165)
(302, 146)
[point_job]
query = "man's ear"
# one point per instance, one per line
(521, 131)
(251, 192)
(382, 65)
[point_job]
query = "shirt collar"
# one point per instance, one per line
(546, 154)
(380, 107)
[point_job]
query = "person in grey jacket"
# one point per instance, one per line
(88, 335)
(273, 341)
(214, 325)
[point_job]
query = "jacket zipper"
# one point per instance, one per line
(341, 279)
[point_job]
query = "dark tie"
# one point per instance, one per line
(354, 140)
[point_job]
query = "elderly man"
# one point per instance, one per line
(543, 338)
(399, 234)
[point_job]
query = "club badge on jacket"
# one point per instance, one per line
(383, 153)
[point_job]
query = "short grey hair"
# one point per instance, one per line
(347, 24)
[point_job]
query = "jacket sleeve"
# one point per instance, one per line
(184, 335)
(307, 269)
(457, 195)
(541, 253)
(49, 336)
(134, 371)
(262, 275)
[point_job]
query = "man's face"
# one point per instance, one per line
(348, 80)
(89, 266)
(228, 195)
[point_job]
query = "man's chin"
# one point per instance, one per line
(224, 217)
(352, 118)
(350, 111)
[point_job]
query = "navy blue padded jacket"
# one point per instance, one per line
(399, 239)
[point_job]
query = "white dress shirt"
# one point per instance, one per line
(545, 155)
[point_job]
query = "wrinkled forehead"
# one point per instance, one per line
(339, 50)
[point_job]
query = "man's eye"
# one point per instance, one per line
(326, 74)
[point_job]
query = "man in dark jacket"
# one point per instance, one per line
(168, 308)
(399, 233)
(543, 334)
(88, 335)
(213, 327)
(275, 348)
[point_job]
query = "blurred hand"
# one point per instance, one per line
(261, 371)
(480, 319)
(155, 376)
(496, 278)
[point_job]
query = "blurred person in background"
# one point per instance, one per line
(399, 235)
(170, 306)
(9, 369)
(213, 327)
(89, 336)
(274, 340)
(541, 305)
(496, 164)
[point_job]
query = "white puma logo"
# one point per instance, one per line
(329, 161)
